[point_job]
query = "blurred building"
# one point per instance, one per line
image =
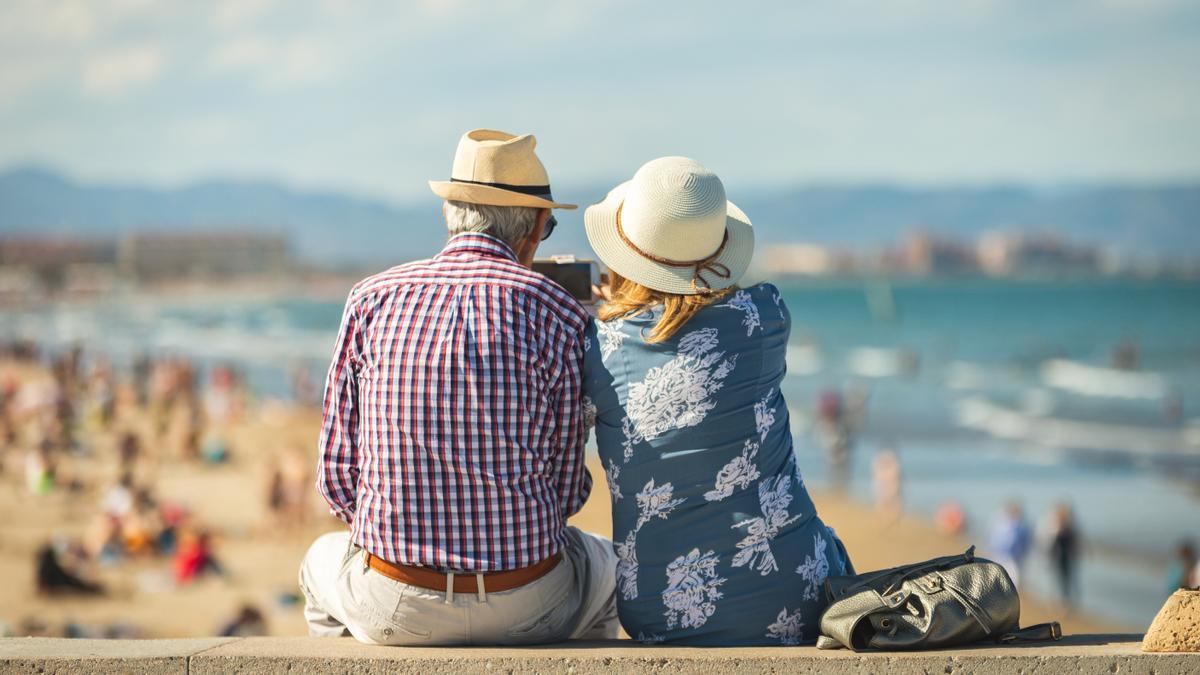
(1002, 254)
(803, 260)
(923, 253)
(50, 262)
(161, 257)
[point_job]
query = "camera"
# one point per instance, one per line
(574, 275)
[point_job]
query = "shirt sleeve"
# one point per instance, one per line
(574, 480)
(337, 465)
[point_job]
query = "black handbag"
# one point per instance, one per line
(944, 602)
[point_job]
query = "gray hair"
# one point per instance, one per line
(509, 223)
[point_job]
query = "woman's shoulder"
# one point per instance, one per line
(755, 306)
(603, 339)
(765, 293)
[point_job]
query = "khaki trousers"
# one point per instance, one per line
(575, 600)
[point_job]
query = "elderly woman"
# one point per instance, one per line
(717, 540)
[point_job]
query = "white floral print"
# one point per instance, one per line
(650, 638)
(740, 472)
(627, 566)
(612, 473)
(691, 593)
(764, 417)
(611, 337)
(796, 476)
(788, 628)
(632, 437)
(742, 302)
(655, 502)
(676, 395)
(778, 303)
(815, 569)
(774, 496)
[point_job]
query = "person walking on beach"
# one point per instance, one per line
(1184, 571)
(717, 539)
(452, 440)
(1010, 539)
(1064, 544)
(887, 480)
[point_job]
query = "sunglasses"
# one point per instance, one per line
(551, 223)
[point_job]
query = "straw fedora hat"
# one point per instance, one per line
(497, 168)
(670, 228)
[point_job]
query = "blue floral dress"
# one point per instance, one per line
(718, 542)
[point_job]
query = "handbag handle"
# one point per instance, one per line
(1037, 633)
(897, 575)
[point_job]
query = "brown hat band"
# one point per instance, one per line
(707, 264)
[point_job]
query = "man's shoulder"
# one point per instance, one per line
(552, 296)
(511, 275)
(450, 271)
(386, 280)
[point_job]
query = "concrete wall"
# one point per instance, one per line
(1075, 654)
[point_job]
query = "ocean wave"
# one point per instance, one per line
(965, 375)
(877, 362)
(803, 360)
(1089, 380)
(979, 413)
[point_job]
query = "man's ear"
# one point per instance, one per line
(539, 226)
(530, 245)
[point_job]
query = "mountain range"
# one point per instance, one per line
(333, 228)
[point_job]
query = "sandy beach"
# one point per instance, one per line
(261, 557)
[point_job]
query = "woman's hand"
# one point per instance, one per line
(602, 290)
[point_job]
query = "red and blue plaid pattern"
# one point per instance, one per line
(452, 435)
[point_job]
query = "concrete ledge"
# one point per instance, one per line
(1075, 654)
(60, 655)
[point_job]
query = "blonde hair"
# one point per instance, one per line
(630, 298)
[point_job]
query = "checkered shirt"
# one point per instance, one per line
(452, 434)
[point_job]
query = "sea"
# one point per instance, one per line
(990, 391)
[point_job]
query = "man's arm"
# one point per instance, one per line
(574, 480)
(337, 465)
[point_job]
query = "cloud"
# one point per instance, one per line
(207, 130)
(235, 14)
(277, 63)
(906, 90)
(16, 78)
(247, 53)
(119, 70)
(58, 21)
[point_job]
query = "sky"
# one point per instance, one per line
(370, 97)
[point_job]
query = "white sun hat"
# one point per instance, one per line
(670, 228)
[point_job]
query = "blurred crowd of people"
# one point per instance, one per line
(74, 429)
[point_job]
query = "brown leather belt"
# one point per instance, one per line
(464, 582)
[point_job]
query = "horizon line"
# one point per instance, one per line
(745, 188)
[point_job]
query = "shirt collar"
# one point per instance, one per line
(478, 243)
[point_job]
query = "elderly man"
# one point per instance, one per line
(452, 441)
